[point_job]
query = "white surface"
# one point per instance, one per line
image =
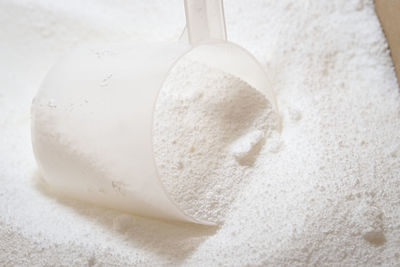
(92, 126)
(329, 195)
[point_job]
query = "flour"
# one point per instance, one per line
(322, 192)
(200, 114)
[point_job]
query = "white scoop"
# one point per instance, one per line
(92, 117)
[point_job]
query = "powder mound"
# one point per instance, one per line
(209, 128)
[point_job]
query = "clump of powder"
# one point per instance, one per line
(209, 127)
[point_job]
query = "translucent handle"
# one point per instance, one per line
(205, 21)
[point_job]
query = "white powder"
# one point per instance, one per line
(326, 193)
(200, 114)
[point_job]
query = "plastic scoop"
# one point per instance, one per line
(92, 117)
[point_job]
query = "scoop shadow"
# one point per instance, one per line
(176, 240)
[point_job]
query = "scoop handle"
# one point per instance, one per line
(205, 21)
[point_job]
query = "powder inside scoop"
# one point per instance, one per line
(209, 127)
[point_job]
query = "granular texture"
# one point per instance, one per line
(209, 127)
(326, 192)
